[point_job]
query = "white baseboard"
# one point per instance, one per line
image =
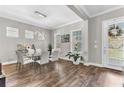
(94, 64)
(87, 64)
(9, 62)
(114, 67)
(101, 65)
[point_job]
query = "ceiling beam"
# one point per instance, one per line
(78, 11)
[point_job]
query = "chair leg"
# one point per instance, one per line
(43, 69)
(22, 68)
(40, 69)
(29, 66)
(17, 65)
(58, 67)
(34, 67)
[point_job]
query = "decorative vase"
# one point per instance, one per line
(76, 62)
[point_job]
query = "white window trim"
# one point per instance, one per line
(15, 30)
(27, 31)
(71, 39)
(55, 34)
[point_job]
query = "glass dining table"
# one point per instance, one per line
(35, 57)
(32, 55)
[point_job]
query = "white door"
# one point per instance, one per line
(113, 43)
(105, 44)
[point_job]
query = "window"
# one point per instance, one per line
(76, 39)
(12, 32)
(29, 34)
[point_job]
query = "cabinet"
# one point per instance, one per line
(2, 81)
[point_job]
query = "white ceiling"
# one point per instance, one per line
(57, 15)
(95, 10)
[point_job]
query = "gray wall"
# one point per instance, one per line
(8, 45)
(95, 34)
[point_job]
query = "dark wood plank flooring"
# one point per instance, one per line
(62, 74)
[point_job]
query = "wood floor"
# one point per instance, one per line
(62, 74)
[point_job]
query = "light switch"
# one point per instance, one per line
(95, 46)
(95, 41)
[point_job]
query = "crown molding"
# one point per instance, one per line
(106, 11)
(68, 24)
(85, 10)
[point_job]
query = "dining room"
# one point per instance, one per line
(52, 46)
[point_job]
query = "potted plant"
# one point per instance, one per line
(76, 57)
(50, 50)
(75, 54)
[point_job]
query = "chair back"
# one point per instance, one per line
(38, 51)
(19, 56)
(55, 55)
(30, 52)
(44, 58)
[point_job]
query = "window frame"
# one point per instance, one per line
(29, 32)
(10, 30)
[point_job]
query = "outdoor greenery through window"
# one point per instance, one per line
(77, 41)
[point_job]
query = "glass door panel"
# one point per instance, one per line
(76, 41)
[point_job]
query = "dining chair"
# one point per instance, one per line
(22, 60)
(38, 51)
(30, 52)
(55, 55)
(43, 60)
(55, 58)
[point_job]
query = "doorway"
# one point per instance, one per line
(113, 43)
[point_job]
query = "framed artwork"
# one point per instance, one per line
(65, 38)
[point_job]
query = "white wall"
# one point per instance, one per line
(8, 45)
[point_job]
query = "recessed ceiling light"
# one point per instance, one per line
(40, 14)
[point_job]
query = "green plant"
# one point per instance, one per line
(50, 49)
(77, 46)
(75, 56)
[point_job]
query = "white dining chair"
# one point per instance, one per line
(30, 52)
(55, 55)
(22, 60)
(38, 51)
(55, 58)
(43, 60)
